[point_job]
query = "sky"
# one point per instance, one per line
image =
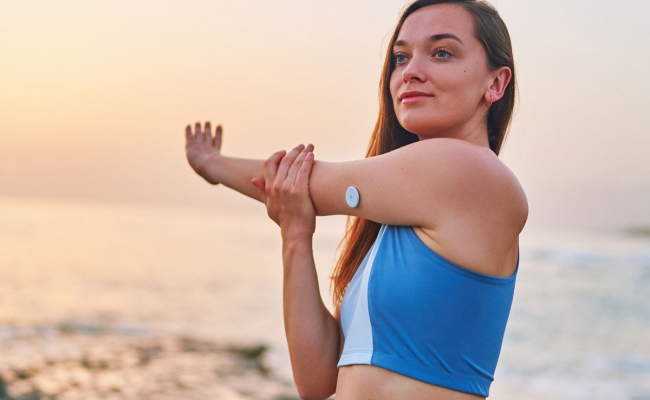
(95, 95)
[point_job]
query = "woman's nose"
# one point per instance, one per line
(414, 70)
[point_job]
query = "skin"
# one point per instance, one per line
(462, 201)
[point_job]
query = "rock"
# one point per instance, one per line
(189, 381)
(19, 389)
(48, 385)
(7, 375)
(73, 394)
(107, 382)
(80, 377)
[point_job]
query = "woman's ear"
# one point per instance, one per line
(500, 79)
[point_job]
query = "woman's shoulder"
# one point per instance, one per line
(477, 176)
(455, 155)
(461, 159)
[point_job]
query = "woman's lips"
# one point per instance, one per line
(413, 96)
(413, 99)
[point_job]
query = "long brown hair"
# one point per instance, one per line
(389, 134)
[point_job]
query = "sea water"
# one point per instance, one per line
(579, 326)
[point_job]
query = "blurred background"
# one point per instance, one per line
(103, 223)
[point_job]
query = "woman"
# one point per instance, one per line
(424, 283)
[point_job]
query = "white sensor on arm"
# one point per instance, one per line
(352, 197)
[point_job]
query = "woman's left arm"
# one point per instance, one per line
(313, 334)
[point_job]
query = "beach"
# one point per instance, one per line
(80, 361)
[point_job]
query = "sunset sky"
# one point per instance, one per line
(95, 95)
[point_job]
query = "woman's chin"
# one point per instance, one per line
(422, 131)
(420, 124)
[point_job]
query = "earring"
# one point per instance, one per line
(488, 103)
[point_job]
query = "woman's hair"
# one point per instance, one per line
(389, 134)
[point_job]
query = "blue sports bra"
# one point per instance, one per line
(411, 311)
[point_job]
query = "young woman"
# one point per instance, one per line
(424, 284)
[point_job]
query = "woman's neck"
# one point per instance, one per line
(476, 134)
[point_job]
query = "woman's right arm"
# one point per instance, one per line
(313, 334)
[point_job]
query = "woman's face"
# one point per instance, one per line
(441, 75)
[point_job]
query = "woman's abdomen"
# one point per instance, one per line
(370, 382)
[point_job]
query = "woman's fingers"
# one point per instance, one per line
(295, 166)
(197, 132)
(218, 133)
(282, 169)
(205, 134)
(285, 164)
(302, 178)
(207, 131)
(271, 166)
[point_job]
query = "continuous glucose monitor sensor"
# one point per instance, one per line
(352, 197)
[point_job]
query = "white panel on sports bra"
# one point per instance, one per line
(358, 345)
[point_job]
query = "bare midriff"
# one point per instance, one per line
(369, 382)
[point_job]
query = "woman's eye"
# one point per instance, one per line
(399, 59)
(442, 54)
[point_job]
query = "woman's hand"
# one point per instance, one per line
(285, 191)
(203, 149)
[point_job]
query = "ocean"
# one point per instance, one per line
(579, 326)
